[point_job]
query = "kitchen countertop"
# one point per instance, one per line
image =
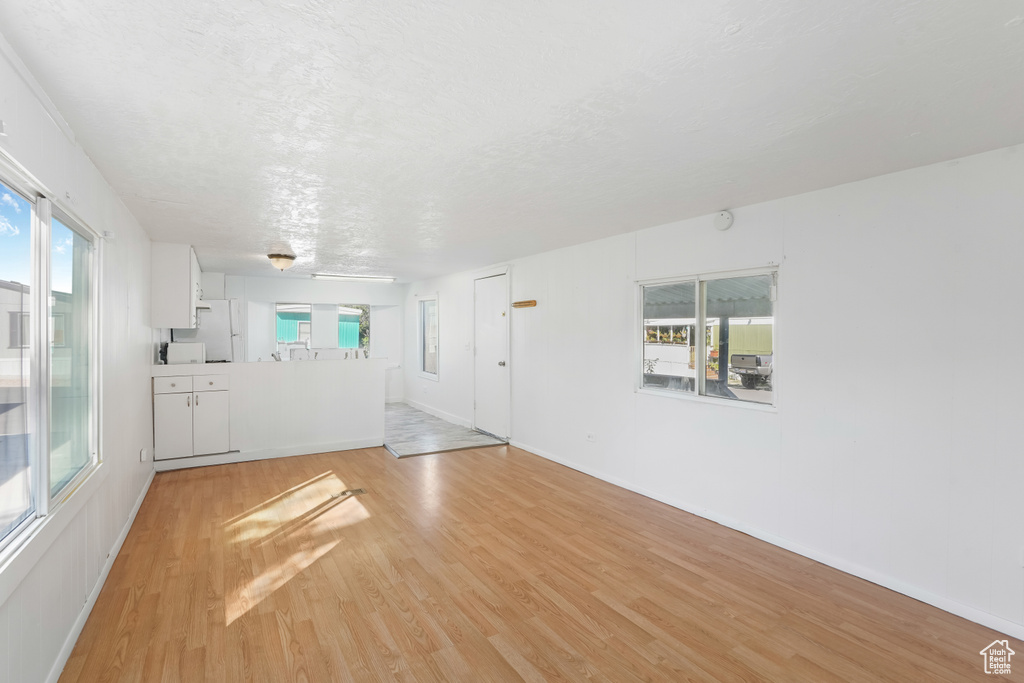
(192, 369)
(181, 369)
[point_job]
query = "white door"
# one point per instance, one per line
(172, 426)
(491, 361)
(210, 422)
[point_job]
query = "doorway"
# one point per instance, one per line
(491, 351)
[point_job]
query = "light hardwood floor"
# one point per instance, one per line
(480, 565)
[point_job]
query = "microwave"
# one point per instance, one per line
(186, 352)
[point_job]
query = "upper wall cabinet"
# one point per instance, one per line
(177, 285)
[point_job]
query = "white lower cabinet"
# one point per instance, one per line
(172, 425)
(209, 422)
(190, 416)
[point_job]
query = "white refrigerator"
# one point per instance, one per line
(219, 329)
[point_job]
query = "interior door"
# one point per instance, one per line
(491, 378)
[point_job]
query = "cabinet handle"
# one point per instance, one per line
(173, 384)
(197, 399)
(211, 384)
(188, 400)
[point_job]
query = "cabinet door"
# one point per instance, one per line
(210, 422)
(172, 286)
(172, 426)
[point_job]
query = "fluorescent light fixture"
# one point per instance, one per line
(352, 278)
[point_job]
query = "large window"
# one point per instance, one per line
(48, 438)
(731, 357)
(428, 336)
(294, 324)
(353, 326)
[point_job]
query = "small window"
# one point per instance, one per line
(294, 328)
(19, 331)
(354, 326)
(737, 345)
(428, 336)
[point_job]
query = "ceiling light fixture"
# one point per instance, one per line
(282, 261)
(352, 278)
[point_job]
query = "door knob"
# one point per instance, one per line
(501, 363)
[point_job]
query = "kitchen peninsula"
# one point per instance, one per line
(273, 409)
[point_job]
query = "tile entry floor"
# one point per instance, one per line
(408, 431)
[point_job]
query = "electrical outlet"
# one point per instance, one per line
(143, 455)
(591, 437)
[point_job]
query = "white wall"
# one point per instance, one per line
(451, 396)
(324, 328)
(43, 591)
(387, 341)
(895, 450)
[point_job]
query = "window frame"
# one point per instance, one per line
(94, 356)
(39, 504)
(698, 280)
(421, 337)
(52, 510)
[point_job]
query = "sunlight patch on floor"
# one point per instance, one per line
(290, 531)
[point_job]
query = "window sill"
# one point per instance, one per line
(710, 400)
(427, 375)
(22, 555)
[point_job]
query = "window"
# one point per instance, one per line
(71, 382)
(428, 336)
(18, 329)
(294, 328)
(736, 346)
(48, 431)
(353, 326)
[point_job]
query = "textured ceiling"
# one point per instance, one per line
(420, 138)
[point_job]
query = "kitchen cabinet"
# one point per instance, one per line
(209, 422)
(177, 288)
(191, 416)
(172, 425)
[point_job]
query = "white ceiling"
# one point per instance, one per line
(421, 138)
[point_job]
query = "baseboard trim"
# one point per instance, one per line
(83, 616)
(946, 604)
(266, 454)
(447, 417)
